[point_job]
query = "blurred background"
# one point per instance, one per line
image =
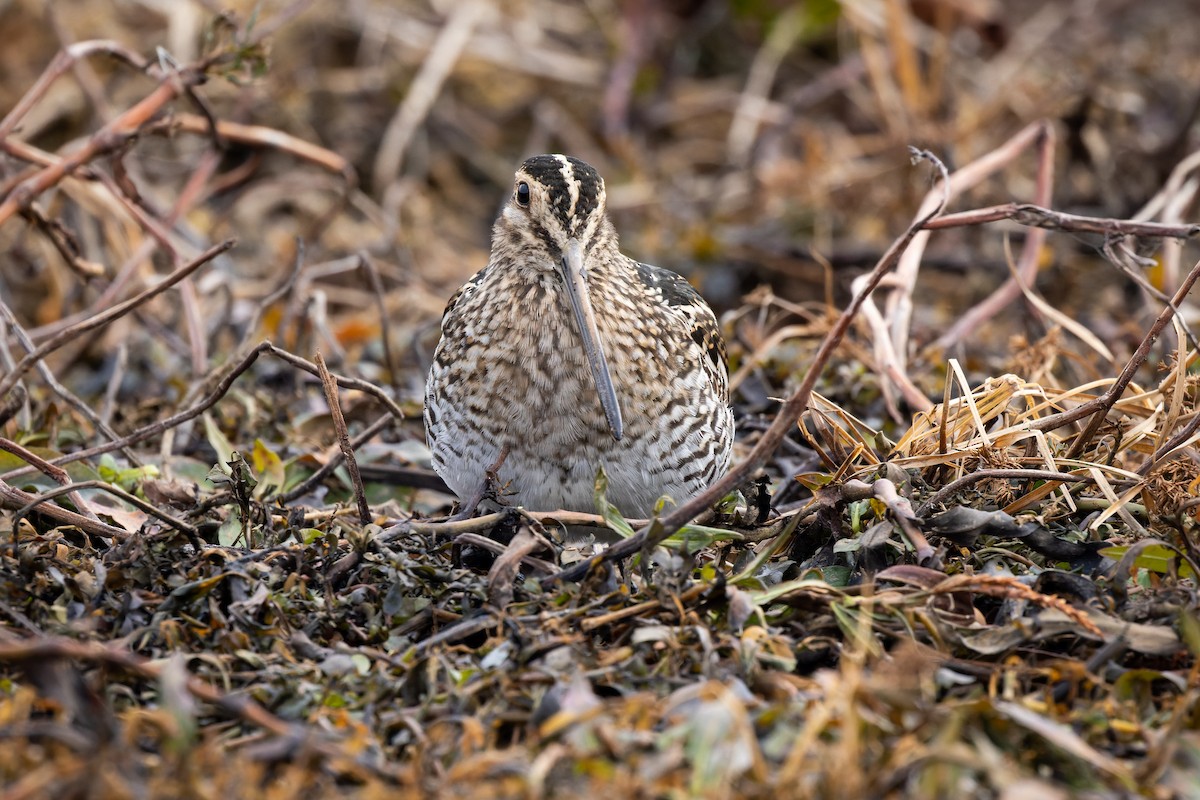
(758, 147)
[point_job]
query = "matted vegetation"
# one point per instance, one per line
(957, 556)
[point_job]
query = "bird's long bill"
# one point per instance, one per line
(585, 319)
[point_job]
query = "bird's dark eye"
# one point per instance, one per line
(523, 194)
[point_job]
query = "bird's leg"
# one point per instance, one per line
(491, 477)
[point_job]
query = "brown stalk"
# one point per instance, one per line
(61, 63)
(785, 419)
(890, 330)
(56, 474)
(262, 136)
(116, 491)
(343, 436)
(1100, 407)
(505, 568)
(107, 316)
(84, 409)
(1036, 216)
(385, 328)
(223, 385)
(1026, 269)
(109, 138)
(13, 498)
(335, 460)
(491, 545)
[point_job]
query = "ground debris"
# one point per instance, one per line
(967, 567)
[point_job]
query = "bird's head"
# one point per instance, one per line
(556, 201)
(556, 218)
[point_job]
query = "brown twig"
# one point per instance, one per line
(178, 524)
(692, 593)
(11, 403)
(1036, 216)
(56, 474)
(505, 568)
(115, 379)
(493, 546)
(279, 292)
(85, 409)
(1185, 433)
(109, 138)
(1011, 587)
(470, 626)
(385, 329)
(61, 63)
(223, 385)
(63, 241)
(343, 436)
(107, 316)
(1026, 269)
(423, 90)
(1100, 407)
(454, 527)
(263, 136)
(13, 498)
(335, 460)
(356, 384)
(785, 419)
(159, 426)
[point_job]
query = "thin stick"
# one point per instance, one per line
(372, 271)
(424, 90)
(114, 383)
(336, 459)
(785, 419)
(1100, 407)
(61, 63)
(1026, 270)
(343, 437)
(105, 317)
(222, 387)
(56, 474)
(11, 403)
(13, 498)
(133, 500)
(107, 139)
(159, 426)
(66, 394)
(1035, 216)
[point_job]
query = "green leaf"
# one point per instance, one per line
(1189, 630)
(230, 531)
(1155, 558)
(128, 478)
(217, 440)
(847, 545)
(837, 575)
(612, 517)
(310, 535)
(269, 466)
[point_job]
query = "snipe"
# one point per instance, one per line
(562, 356)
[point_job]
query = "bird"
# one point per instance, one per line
(564, 356)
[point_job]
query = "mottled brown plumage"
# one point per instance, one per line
(564, 355)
